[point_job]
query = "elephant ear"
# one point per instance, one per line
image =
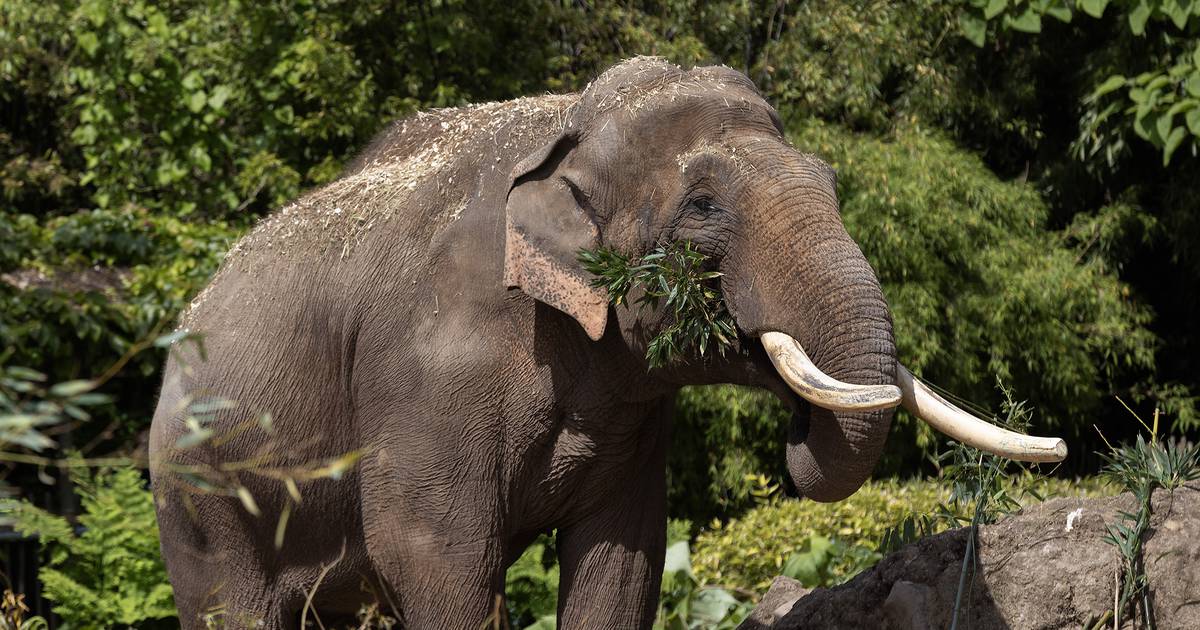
(545, 227)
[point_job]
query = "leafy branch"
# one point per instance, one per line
(673, 274)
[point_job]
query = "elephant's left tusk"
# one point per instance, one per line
(940, 414)
(819, 388)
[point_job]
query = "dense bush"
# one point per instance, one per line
(724, 437)
(110, 573)
(752, 549)
(749, 551)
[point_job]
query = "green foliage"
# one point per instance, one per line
(674, 274)
(858, 65)
(95, 283)
(111, 573)
(1161, 102)
(686, 604)
(751, 550)
(28, 405)
(531, 586)
(724, 438)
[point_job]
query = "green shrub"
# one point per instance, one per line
(751, 550)
(828, 543)
(531, 585)
(723, 438)
(111, 573)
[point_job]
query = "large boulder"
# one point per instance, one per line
(1044, 568)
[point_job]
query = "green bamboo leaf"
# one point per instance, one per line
(26, 374)
(247, 499)
(72, 388)
(193, 438)
(1060, 12)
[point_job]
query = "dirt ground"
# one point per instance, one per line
(1044, 568)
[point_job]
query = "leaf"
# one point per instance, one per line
(193, 438)
(26, 374)
(1177, 11)
(196, 101)
(247, 500)
(30, 439)
(1193, 85)
(711, 605)
(994, 8)
(973, 28)
(1060, 12)
(212, 405)
(1139, 16)
(281, 526)
(1163, 125)
(1094, 8)
(68, 389)
(1193, 121)
(1028, 22)
(220, 94)
(1143, 125)
(265, 422)
(293, 489)
(1110, 84)
(170, 339)
(1172, 142)
(678, 558)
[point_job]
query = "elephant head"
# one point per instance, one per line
(651, 153)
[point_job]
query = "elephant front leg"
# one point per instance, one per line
(437, 549)
(612, 562)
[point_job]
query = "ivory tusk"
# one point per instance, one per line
(817, 387)
(940, 414)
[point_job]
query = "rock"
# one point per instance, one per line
(1044, 568)
(775, 604)
(906, 606)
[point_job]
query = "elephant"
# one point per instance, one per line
(427, 312)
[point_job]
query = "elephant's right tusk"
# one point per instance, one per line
(817, 387)
(940, 414)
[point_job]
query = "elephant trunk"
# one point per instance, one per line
(847, 330)
(818, 290)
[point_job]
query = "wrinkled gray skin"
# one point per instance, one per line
(428, 311)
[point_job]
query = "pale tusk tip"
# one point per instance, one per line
(1060, 450)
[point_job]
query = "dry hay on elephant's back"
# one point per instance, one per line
(428, 174)
(340, 214)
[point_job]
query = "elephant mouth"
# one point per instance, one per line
(785, 370)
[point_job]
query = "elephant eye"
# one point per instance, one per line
(705, 205)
